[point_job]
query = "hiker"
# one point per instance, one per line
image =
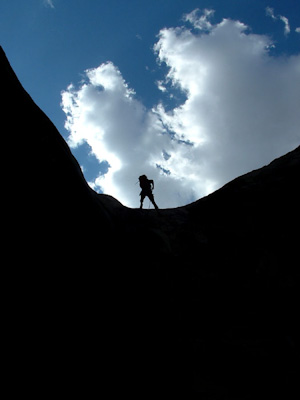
(147, 185)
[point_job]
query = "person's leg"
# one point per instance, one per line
(151, 197)
(155, 205)
(142, 199)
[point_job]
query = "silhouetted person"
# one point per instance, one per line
(147, 186)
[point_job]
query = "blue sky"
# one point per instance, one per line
(192, 93)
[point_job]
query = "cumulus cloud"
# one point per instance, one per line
(104, 113)
(240, 112)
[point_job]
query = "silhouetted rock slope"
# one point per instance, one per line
(199, 301)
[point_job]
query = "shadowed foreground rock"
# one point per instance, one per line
(199, 301)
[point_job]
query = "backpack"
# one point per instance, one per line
(144, 183)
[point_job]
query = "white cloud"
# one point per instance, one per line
(105, 114)
(200, 22)
(241, 111)
(270, 13)
(287, 28)
(297, 30)
(49, 3)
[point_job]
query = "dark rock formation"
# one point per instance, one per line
(199, 301)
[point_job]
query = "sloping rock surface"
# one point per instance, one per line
(199, 301)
